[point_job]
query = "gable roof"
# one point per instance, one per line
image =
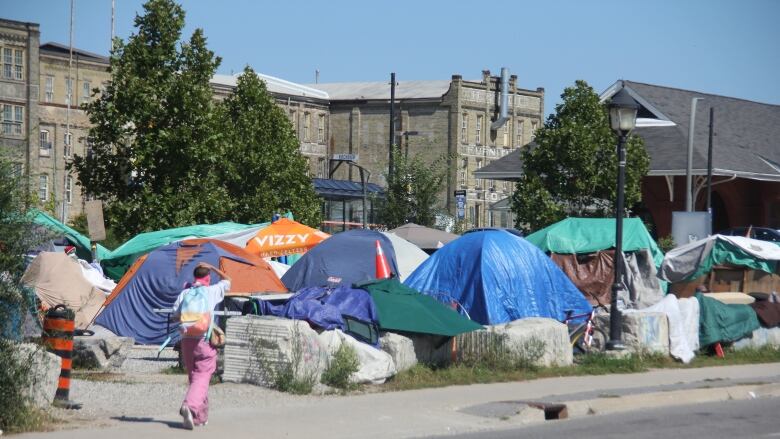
(274, 85)
(746, 142)
(508, 168)
(381, 90)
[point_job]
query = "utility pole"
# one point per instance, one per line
(113, 28)
(689, 166)
(709, 167)
(392, 127)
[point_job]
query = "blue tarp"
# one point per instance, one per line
(499, 277)
(156, 284)
(324, 307)
(349, 256)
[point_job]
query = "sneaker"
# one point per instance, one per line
(186, 415)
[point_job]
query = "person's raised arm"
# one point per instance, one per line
(221, 273)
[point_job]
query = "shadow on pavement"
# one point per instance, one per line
(171, 424)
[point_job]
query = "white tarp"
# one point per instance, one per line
(239, 238)
(278, 267)
(683, 316)
(95, 276)
(375, 365)
(407, 255)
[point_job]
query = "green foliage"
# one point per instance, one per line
(413, 190)
(154, 145)
(573, 169)
(345, 362)
(17, 236)
(666, 243)
(271, 174)
(498, 354)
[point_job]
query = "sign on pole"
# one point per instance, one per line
(460, 204)
(95, 225)
(345, 157)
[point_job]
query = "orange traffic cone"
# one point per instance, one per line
(382, 267)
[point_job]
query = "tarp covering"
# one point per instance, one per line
(324, 307)
(683, 318)
(589, 235)
(284, 237)
(57, 279)
(697, 258)
(401, 308)
(408, 255)
(156, 280)
(349, 256)
(499, 277)
(719, 322)
(424, 237)
(81, 242)
(118, 261)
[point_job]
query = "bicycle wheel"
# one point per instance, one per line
(599, 342)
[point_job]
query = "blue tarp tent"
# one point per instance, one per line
(499, 277)
(349, 256)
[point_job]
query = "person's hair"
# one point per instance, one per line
(200, 272)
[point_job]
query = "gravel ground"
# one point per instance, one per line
(139, 389)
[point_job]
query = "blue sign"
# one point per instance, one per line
(460, 204)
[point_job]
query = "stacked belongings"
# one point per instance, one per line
(156, 279)
(499, 277)
(584, 248)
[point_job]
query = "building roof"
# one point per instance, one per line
(746, 143)
(508, 168)
(344, 189)
(345, 91)
(274, 85)
(61, 50)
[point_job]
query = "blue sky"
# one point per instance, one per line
(716, 46)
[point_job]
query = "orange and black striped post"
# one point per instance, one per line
(58, 328)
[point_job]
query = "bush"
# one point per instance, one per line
(345, 362)
(666, 243)
(275, 371)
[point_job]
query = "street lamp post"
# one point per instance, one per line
(622, 117)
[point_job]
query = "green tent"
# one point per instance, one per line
(401, 308)
(119, 261)
(81, 242)
(721, 322)
(590, 235)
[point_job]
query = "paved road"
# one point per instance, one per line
(757, 418)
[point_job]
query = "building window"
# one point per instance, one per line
(464, 128)
(478, 127)
(68, 144)
(463, 172)
(85, 92)
(534, 124)
(45, 147)
(12, 119)
(43, 187)
(18, 64)
(519, 132)
(68, 91)
(69, 189)
(490, 222)
(322, 171)
(306, 126)
(49, 89)
(321, 128)
(506, 134)
(478, 183)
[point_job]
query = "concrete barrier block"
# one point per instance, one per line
(45, 372)
(93, 352)
(544, 342)
(759, 338)
(642, 331)
(258, 347)
(400, 348)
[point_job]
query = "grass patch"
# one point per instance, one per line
(345, 362)
(100, 376)
(425, 376)
(31, 419)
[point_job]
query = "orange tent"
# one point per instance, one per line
(284, 237)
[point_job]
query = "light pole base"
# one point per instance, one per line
(615, 345)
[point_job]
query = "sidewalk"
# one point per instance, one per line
(458, 409)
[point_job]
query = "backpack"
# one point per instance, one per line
(195, 316)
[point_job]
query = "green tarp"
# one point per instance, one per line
(401, 308)
(81, 242)
(724, 252)
(719, 322)
(119, 261)
(590, 235)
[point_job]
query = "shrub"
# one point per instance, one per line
(345, 362)
(494, 352)
(276, 371)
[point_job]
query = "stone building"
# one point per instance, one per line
(435, 119)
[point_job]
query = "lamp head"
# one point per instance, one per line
(622, 112)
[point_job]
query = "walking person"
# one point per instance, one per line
(194, 309)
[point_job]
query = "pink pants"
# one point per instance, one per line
(200, 360)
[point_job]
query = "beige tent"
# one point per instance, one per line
(57, 279)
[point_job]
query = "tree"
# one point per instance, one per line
(153, 146)
(413, 189)
(271, 175)
(572, 170)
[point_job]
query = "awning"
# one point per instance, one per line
(345, 189)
